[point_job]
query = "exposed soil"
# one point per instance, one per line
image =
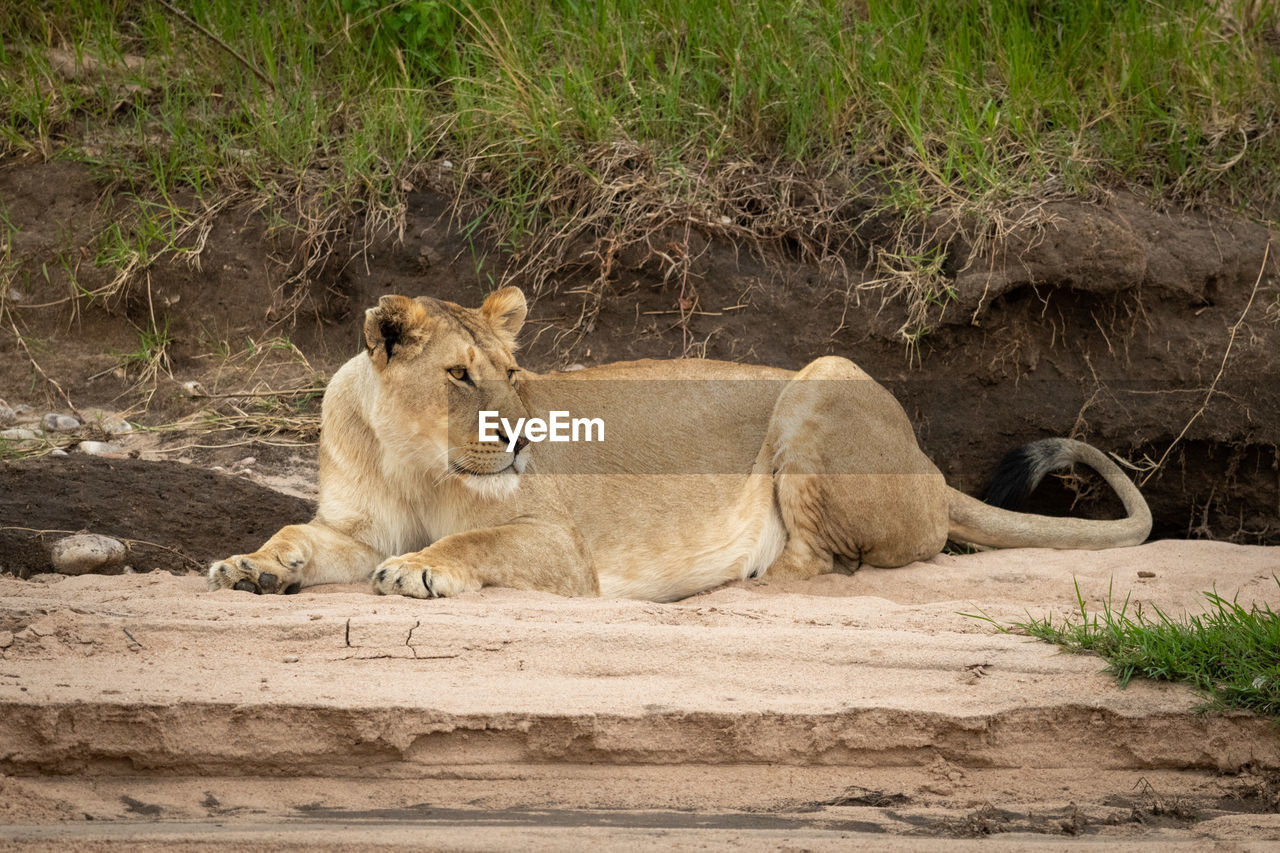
(189, 515)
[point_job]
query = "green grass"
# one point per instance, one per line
(616, 119)
(1230, 653)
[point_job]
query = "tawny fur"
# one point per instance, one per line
(711, 472)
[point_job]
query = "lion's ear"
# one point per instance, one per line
(396, 328)
(505, 310)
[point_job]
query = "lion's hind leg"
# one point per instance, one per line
(851, 482)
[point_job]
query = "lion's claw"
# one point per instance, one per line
(406, 575)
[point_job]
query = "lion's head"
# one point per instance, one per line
(438, 365)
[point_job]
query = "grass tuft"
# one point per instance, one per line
(1230, 653)
(586, 132)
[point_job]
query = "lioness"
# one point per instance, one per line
(709, 472)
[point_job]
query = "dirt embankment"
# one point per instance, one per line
(1149, 333)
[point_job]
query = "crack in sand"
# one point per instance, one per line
(408, 641)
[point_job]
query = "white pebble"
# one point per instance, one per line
(19, 434)
(54, 422)
(116, 426)
(107, 422)
(58, 452)
(247, 462)
(86, 552)
(99, 448)
(290, 658)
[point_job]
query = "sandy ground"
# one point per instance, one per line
(144, 710)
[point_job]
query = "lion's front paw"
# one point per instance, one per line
(416, 577)
(261, 572)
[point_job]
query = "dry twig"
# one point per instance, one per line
(47, 378)
(1209, 392)
(191, 22)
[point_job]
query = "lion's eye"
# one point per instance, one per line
(511, 375)
(458, 373)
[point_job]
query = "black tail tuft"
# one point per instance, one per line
(1022, 469)
(1011, 483)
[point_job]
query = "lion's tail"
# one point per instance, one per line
(978, 523)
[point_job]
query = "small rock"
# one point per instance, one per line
(21, 409)
(574, 367)
(19, 434)
(6, 639)
(116, 426)
(290, 658)
(193, 388)
(100, 448)
(86, 552)
(247, 462)
(1146, 574)
(8, 417)
(54, 422)
(107, 422)
(58, 452)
